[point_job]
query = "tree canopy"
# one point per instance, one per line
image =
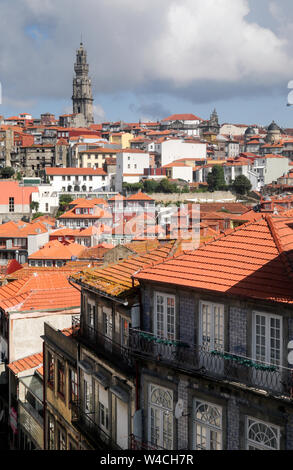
(241, 185)
(216, 179)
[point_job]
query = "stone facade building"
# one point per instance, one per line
(211, 348)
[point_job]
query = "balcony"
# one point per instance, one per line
(138, 444)
(217, 365)
(86, 424)
(105, 347)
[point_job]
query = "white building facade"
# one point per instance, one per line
(78, 179)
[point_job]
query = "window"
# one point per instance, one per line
(61, 439)
(124, 332)
(103, 416)
(207, 426)
(107, 324)
(103, 408)
(60, 378)
(91, 314)
(211, 329)
(51, 432)
(87, 395)
(11, 204)
(164, 316)
(47, 207)
(50, 370)
(73, 386)
(73, 445)
(267, 334)
(261, 435)
(161, 417)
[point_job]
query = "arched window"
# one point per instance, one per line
(207, 426)
(262, 436)
(161, 417)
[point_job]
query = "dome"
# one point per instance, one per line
(250, 130)
(273, 127)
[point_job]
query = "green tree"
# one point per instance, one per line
(166, 186)
(150, 186)
(241, 185)
(64, 201)
(34, 205)
(216, 179)
(7, 172)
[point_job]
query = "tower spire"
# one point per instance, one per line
(82, 98)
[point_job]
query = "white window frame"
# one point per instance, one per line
(166, 334)
(162, 412)
(260, 445)
(209, 427)
(213, 341)
(267, 337)
(107, 324)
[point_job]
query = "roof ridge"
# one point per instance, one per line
(209, 242)
(279, 246)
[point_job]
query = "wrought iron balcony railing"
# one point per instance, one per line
(105, 346)
(87, 425)
(219, 365)
(138, 444)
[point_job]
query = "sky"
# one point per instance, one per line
(149, 59)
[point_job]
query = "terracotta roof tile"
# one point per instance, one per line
(29, 362)
(116, 279)
(253, 261)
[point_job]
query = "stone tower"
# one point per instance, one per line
(82, 98)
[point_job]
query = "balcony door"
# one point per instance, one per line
(108, 329)
(164, 324)
(211, 337)
(122, 424)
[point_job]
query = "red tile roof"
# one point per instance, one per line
(54, 249)
(74, 171)
(253, 261)
(29, 362)
(41, 291)
(139, 197)
(182, 117)
(116, 279)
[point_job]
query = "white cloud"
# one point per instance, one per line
(144, 45)
(99, 113)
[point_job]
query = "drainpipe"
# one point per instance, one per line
(44, 396)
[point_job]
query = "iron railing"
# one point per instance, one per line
(104, 346)
(87, 425)
(138, 444)
(215, 364)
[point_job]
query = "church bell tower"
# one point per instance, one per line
(82, 98)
